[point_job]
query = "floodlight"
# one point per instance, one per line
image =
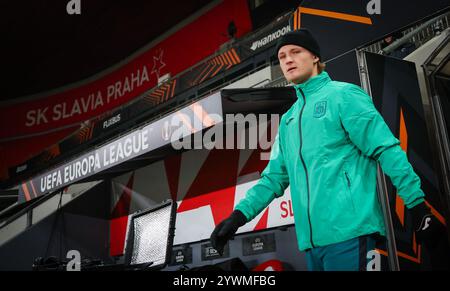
(150, 237)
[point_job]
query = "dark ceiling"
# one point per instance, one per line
(43, 47)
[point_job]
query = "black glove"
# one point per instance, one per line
(426, 225)
(226, 229)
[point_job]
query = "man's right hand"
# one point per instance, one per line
(226, 230)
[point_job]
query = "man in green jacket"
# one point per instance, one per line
(327, 149)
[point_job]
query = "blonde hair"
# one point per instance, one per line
(320, 67)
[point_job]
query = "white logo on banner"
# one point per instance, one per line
(271, 37)
(158, 64)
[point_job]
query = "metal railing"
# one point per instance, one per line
(417, 35)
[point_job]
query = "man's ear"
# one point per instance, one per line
(316, 59)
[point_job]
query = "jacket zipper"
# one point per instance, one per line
(304, 167)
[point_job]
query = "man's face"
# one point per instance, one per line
(297, 63)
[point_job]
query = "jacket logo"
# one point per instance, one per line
(320, 108)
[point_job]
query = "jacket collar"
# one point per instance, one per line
(313, 84)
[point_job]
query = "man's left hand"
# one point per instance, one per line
(426, 225)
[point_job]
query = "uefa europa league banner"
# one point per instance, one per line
(189, 120)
